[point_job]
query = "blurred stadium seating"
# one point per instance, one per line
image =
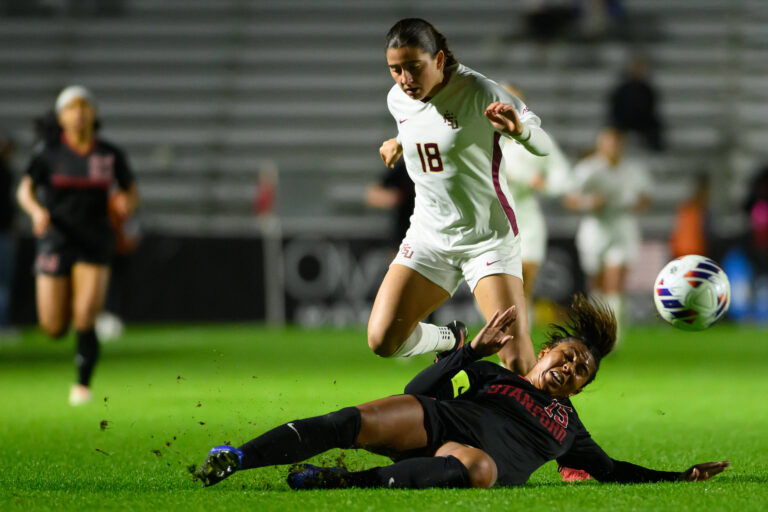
(205, 94)
(201, 92)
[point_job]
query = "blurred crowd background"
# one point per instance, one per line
(253, 130)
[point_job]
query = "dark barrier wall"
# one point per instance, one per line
(328, 281)
(333, 281)
(170, 279)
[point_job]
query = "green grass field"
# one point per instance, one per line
(165, 395)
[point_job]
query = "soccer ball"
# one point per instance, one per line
(692, 292)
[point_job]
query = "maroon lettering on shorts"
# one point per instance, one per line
(47, 263)
(406, 251)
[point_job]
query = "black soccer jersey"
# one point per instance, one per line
(484, 405)
(75, 188)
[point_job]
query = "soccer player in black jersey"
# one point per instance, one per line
(65, 192)
(463, 423)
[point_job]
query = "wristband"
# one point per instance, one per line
(525, 134)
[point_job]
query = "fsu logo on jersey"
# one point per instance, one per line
(450, 120)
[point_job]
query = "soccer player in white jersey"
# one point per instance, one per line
(452, 122)
(611, 190)
(528, 176)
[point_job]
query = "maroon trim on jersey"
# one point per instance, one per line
(64, 181)
(496, 163)
(72, 147)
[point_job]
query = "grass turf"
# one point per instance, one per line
(165, 395)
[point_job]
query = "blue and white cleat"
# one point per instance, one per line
(307, 476)
(222, 461)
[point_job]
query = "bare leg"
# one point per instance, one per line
(405, 297)
(481, 467)
(530, 272)
(595, 282)
(89, 291)
(497, 293)
(391, 426)
(53, 304)
(614, 277)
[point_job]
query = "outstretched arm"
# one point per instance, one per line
(587, 455)
(435, 380)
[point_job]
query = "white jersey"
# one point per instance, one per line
(610, 235)
(522, 167)
(453, 155)
(621, 186)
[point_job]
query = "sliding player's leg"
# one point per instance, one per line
(498, 292)
(392, 425)
(453, 465)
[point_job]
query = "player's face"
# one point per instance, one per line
(564, 369)
(77, 115)
(416, 71)
(610, 144)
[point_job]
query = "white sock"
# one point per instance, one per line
(426, 338)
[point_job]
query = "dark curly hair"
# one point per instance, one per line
(420, 34)
(591, 323)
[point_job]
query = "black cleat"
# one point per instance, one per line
(307, 476)
(222, 461)
(459, 331)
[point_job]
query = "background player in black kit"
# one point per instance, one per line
(65, 192)
(463, 423)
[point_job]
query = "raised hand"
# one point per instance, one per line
(492, 336)
(390, 151)
(704, 471)
(504, 118)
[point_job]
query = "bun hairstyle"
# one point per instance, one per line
(591, 323)
(420, 34)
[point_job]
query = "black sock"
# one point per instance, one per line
(416, 473)
(301, 439)
(87, 355)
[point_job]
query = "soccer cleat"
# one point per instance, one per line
(459, 331)
(222, 461)
(573, 475)
(79, 395)
(307, 476)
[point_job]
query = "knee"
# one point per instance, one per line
(481, 468)
(384, 342)
(55, 330)
(84, 319)
(482, 472)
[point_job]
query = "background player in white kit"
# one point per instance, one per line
(529, 175)
(451, 123)
(611, 190)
